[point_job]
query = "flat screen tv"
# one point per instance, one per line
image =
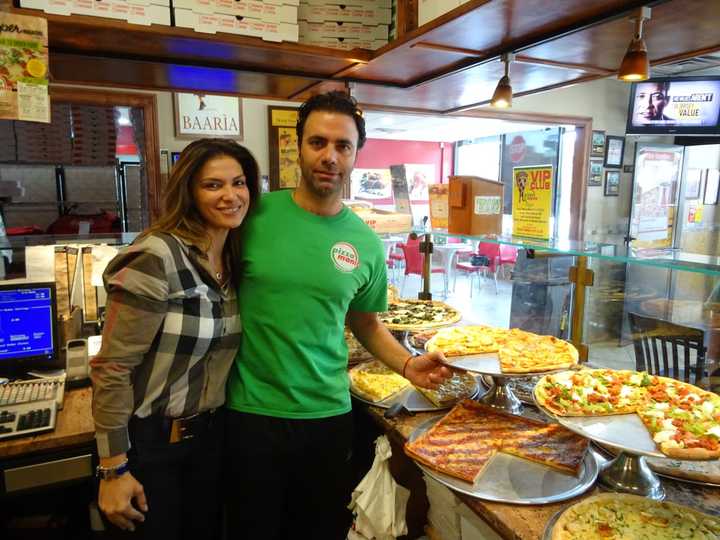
(682, 106)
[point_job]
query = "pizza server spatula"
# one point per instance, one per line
(400, 406)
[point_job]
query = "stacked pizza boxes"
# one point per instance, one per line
(271, 20)
(46, 143)
(94, 135)
(345, 24)
(143, 12)
(8, 146)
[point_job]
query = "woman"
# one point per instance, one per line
(170, 336)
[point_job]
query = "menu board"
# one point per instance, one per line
(24, 68)
(532, 201)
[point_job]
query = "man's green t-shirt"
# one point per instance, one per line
(301, 274)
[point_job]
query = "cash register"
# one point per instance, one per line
(28, 343)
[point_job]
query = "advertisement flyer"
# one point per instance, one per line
(24, 68)
(439, 208)
(532, 201)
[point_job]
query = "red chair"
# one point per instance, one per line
(414, 260)
(492, 253)
(508, 256)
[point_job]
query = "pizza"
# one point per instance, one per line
(375, 382)
(518, 351)
(418, 315)
(614, 516)
(452, 390)
(463, 442)
(417, 340)
(683, 420)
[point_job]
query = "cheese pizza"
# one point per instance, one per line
(418, 315)
(463, 442)
(519, 351)
(375, 382)
(615, 516)
(683, 420)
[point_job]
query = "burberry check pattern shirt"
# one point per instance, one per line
(170, 336)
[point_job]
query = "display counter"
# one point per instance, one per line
(520, 522)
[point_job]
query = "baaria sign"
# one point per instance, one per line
(206, 115)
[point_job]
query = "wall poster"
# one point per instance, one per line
(373, 185)
(283, 148)
(532, 201)
(439, 206)
(24, 68)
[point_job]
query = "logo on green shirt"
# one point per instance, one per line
(344, 256)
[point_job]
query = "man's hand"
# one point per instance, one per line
(427, 370)
(115, 500)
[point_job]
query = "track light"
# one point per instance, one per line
(635, 65)
(502, 97)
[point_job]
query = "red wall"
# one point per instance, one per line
(381, 153)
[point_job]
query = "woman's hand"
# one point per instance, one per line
(427, 370)
(115, 500)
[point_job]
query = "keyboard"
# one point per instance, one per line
(28, 407)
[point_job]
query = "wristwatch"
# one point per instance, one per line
(108, 473)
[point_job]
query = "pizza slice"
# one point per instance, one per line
(461, 444)
(687, 426)
(464, 340)
(376, 382)
(524, 352)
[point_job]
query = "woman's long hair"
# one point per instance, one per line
(181, 216)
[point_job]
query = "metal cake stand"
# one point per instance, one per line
(628, 472)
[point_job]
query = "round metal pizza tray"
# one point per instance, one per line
(416, 402)
(623, 432)
(514, 480)
(547, 535)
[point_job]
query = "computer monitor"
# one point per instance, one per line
(28, 327)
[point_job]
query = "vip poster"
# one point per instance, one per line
(532, 201)
(24, 68)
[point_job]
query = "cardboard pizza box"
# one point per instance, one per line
(475, 205)
(384, 221)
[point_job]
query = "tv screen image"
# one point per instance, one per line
(690, 105)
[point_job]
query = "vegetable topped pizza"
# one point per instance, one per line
(683, 420)
(418, 315)
(615, 516)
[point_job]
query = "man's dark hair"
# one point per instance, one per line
(334, 102)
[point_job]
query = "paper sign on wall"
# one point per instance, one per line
(439, 210)
(532, 201)
(24, 63)
(487, 206)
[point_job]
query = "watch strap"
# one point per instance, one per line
(108, 473)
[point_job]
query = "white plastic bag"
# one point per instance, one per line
(378, 502)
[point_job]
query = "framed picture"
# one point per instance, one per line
(612, 183)
(595, 172)
(207, 115)
(283, 149)
(712, 182)
(693, 183)
(598, 144)
(614, 150)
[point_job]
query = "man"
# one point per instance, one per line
(650, 101)
(309, 264)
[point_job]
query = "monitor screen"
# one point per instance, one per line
(689, 105)
(28, 327)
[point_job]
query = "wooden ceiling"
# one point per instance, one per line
(448, 65)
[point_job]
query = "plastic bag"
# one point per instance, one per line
(378, 502)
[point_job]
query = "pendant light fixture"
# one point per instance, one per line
(635, 65)
(502, 97)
